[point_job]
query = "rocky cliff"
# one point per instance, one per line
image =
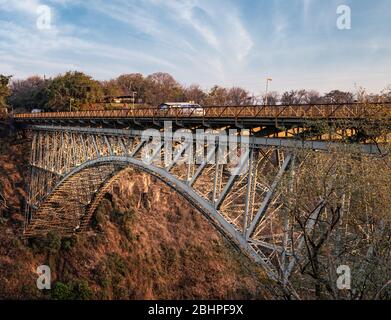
(145, 242)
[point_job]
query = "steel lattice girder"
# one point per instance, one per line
(66, 187)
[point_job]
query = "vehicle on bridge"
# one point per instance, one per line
(190, 108)
(37, 111)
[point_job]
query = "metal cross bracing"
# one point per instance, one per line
(73, 167)
(323, 111)
(273, 117)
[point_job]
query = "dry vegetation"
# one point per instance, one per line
(348, 198)
(145, 243)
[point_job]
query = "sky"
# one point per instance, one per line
(209, 42)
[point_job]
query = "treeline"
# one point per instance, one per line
(4, 91)
(76, 90)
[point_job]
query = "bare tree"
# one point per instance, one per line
(238, 96)
(112, 89)
(162, 87)
(217, 96)
(271, 99)
(293, 97)
(133, 82)
(195, 93)
(311, 97)
(345, 196)
(337, 96)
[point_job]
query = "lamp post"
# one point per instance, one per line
(267, 89)
(70, 104)
(134, 97)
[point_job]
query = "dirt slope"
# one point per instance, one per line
(145, 242)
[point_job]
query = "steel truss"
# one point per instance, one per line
(72, 169)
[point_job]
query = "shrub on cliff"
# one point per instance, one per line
(78, 290)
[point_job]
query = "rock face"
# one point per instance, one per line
(145, 242)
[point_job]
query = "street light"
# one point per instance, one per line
(134, 99)
(70, 104)
(267, 89)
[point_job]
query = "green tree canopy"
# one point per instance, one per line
(29, 94)
(75, 88)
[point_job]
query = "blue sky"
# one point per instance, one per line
(224, 42)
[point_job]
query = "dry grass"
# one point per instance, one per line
(146, 243)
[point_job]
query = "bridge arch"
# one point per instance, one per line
(72, 150)
(54, 215)
(73, 167)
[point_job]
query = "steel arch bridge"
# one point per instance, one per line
(76, 157)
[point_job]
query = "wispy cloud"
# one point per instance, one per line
(228, 42)
(27, 6)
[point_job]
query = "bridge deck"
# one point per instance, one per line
(254, 114)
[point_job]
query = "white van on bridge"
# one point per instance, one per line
(188, 107)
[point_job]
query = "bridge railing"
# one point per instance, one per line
(315, 111)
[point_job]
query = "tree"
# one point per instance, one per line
(271, 99)
(111, 89)
(238, 96)
(300, 97)
(133, 82)
(4, 90)
(162, 87)
(217, 96)
(75, 89)
(312, 97)
(387, 92)
(346, 200)
(74, 290)
(29, 94)
(293, 97)
(336, 96)
(195, 93)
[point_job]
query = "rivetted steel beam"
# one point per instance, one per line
(121, 142)
(217, 181)
(84, 147)
(178, 155)
(45, 169)
(202, 166)
(269, 246)
(255, 142)
(138, 148)
(156, 152)
(95, 145)
(268, 198)
(250, 185)
(108, 145)
(233, 178)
